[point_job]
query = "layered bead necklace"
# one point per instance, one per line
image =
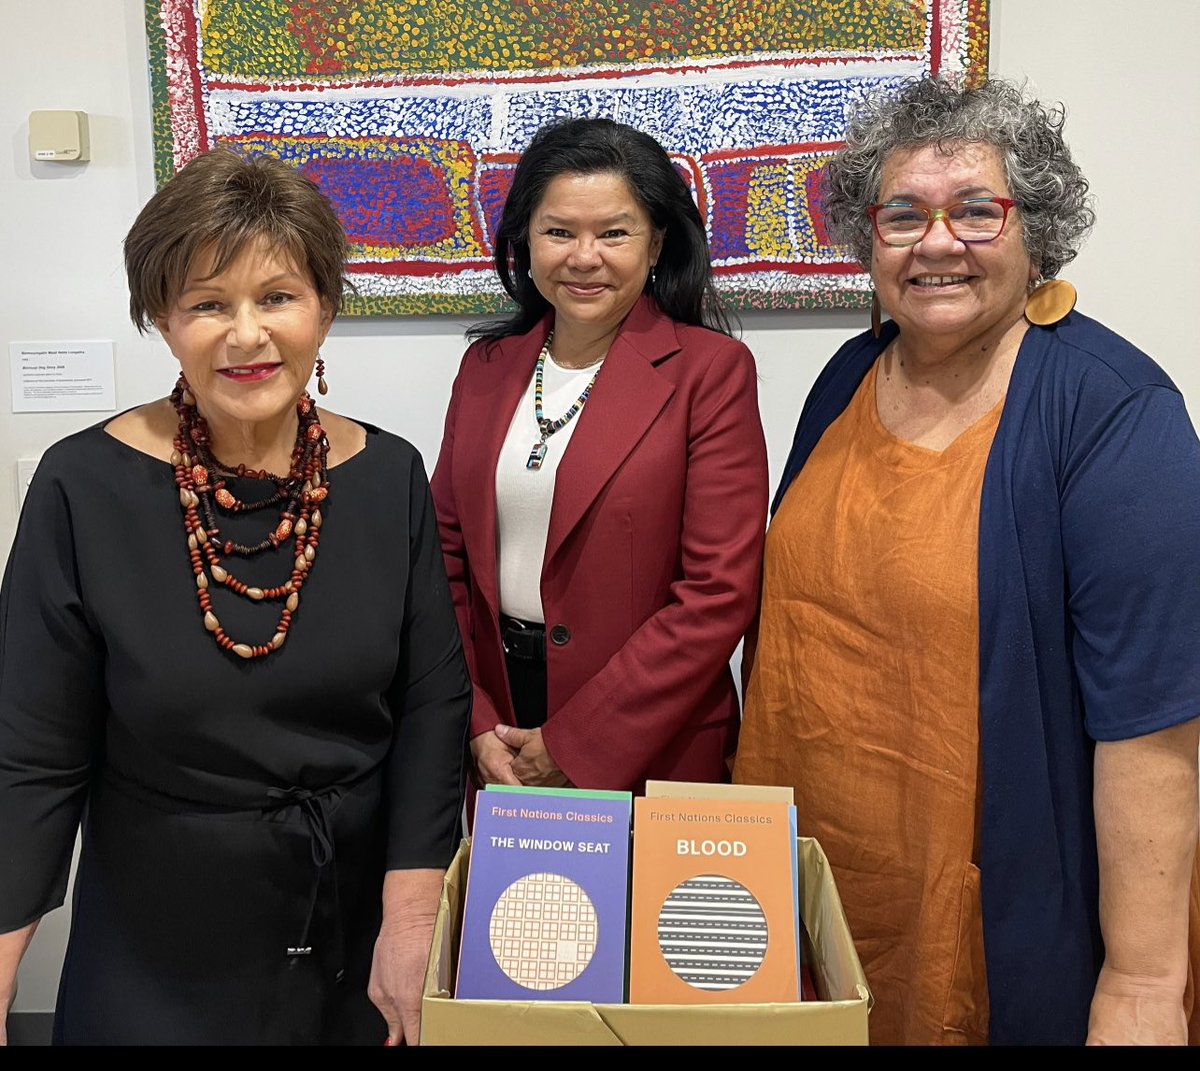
(546, 428)
(200, 477)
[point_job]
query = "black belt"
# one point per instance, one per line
(523, 640)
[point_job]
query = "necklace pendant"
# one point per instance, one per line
(536, 456)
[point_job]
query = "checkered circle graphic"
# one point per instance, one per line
(543, 931)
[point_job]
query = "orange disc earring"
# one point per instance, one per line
(322, 386)
(1049, 301)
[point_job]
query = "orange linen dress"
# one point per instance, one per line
(864, 695)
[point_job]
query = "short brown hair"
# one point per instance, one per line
(222, 200)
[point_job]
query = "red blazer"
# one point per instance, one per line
(652, 565)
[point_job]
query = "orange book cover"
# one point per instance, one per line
(713, 914)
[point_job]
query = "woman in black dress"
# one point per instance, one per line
(225, 629)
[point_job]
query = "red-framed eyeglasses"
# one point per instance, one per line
(978, 219)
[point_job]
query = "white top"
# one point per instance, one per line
(524, 496)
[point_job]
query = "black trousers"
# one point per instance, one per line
(524, 655)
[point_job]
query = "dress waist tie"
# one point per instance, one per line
(314, 806)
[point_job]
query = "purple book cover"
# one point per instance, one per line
(547, 894)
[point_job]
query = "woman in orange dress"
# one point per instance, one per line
(977, 658)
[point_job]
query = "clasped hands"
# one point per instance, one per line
(510, 756)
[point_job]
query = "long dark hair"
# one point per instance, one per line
(681, 283)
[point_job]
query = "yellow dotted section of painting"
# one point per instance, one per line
(767, 212)
(807, 243)
(977, 41)
(274, 39)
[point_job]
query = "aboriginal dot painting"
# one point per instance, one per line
(543, 931)
(410, 114)
(712, 932)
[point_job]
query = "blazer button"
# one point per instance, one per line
(560, 635)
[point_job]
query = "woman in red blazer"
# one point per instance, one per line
(602, 484)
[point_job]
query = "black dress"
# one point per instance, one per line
(239, 814)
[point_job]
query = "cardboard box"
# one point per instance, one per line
(838, 1018)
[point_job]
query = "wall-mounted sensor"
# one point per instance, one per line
(59, 136)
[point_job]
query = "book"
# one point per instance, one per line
(535, 790)
(713, 916)
(545, 916)
(778, 793)
(705, 790)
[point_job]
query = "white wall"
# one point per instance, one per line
(1126, 71)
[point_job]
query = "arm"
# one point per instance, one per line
(12, 948)
(1131, 546)
(1146, 829)
(611, 729)
(430, 701)
(52, 705)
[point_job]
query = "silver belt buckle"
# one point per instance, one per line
(512, 623)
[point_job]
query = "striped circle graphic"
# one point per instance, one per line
(543, 931)
(712, 932)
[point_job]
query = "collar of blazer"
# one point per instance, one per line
(628, 395)
(647, 331)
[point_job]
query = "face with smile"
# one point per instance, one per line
(591, 247)
(943, 291)
(246, 338)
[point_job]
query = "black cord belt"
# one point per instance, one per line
(314, 807)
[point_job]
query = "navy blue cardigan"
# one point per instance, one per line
(1089, 607)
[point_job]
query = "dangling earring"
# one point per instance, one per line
(1049, 301)
(876, 315)
(650, 279)
(322, 386)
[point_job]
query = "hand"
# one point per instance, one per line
(1130, 1010)
(410, 903)
(532, 764)
(493, 760)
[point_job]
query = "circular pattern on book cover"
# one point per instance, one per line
(712, 932)
(543, 931)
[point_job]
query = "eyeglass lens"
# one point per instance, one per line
(969, 221)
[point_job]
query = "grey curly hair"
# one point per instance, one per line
(1055, 209)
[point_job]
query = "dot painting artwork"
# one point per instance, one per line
(543, 931)
(712, 932)
(411, 116)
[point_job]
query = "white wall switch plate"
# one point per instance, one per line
(26, 467)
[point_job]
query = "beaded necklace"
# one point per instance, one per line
(546, 428)
(199, 477)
